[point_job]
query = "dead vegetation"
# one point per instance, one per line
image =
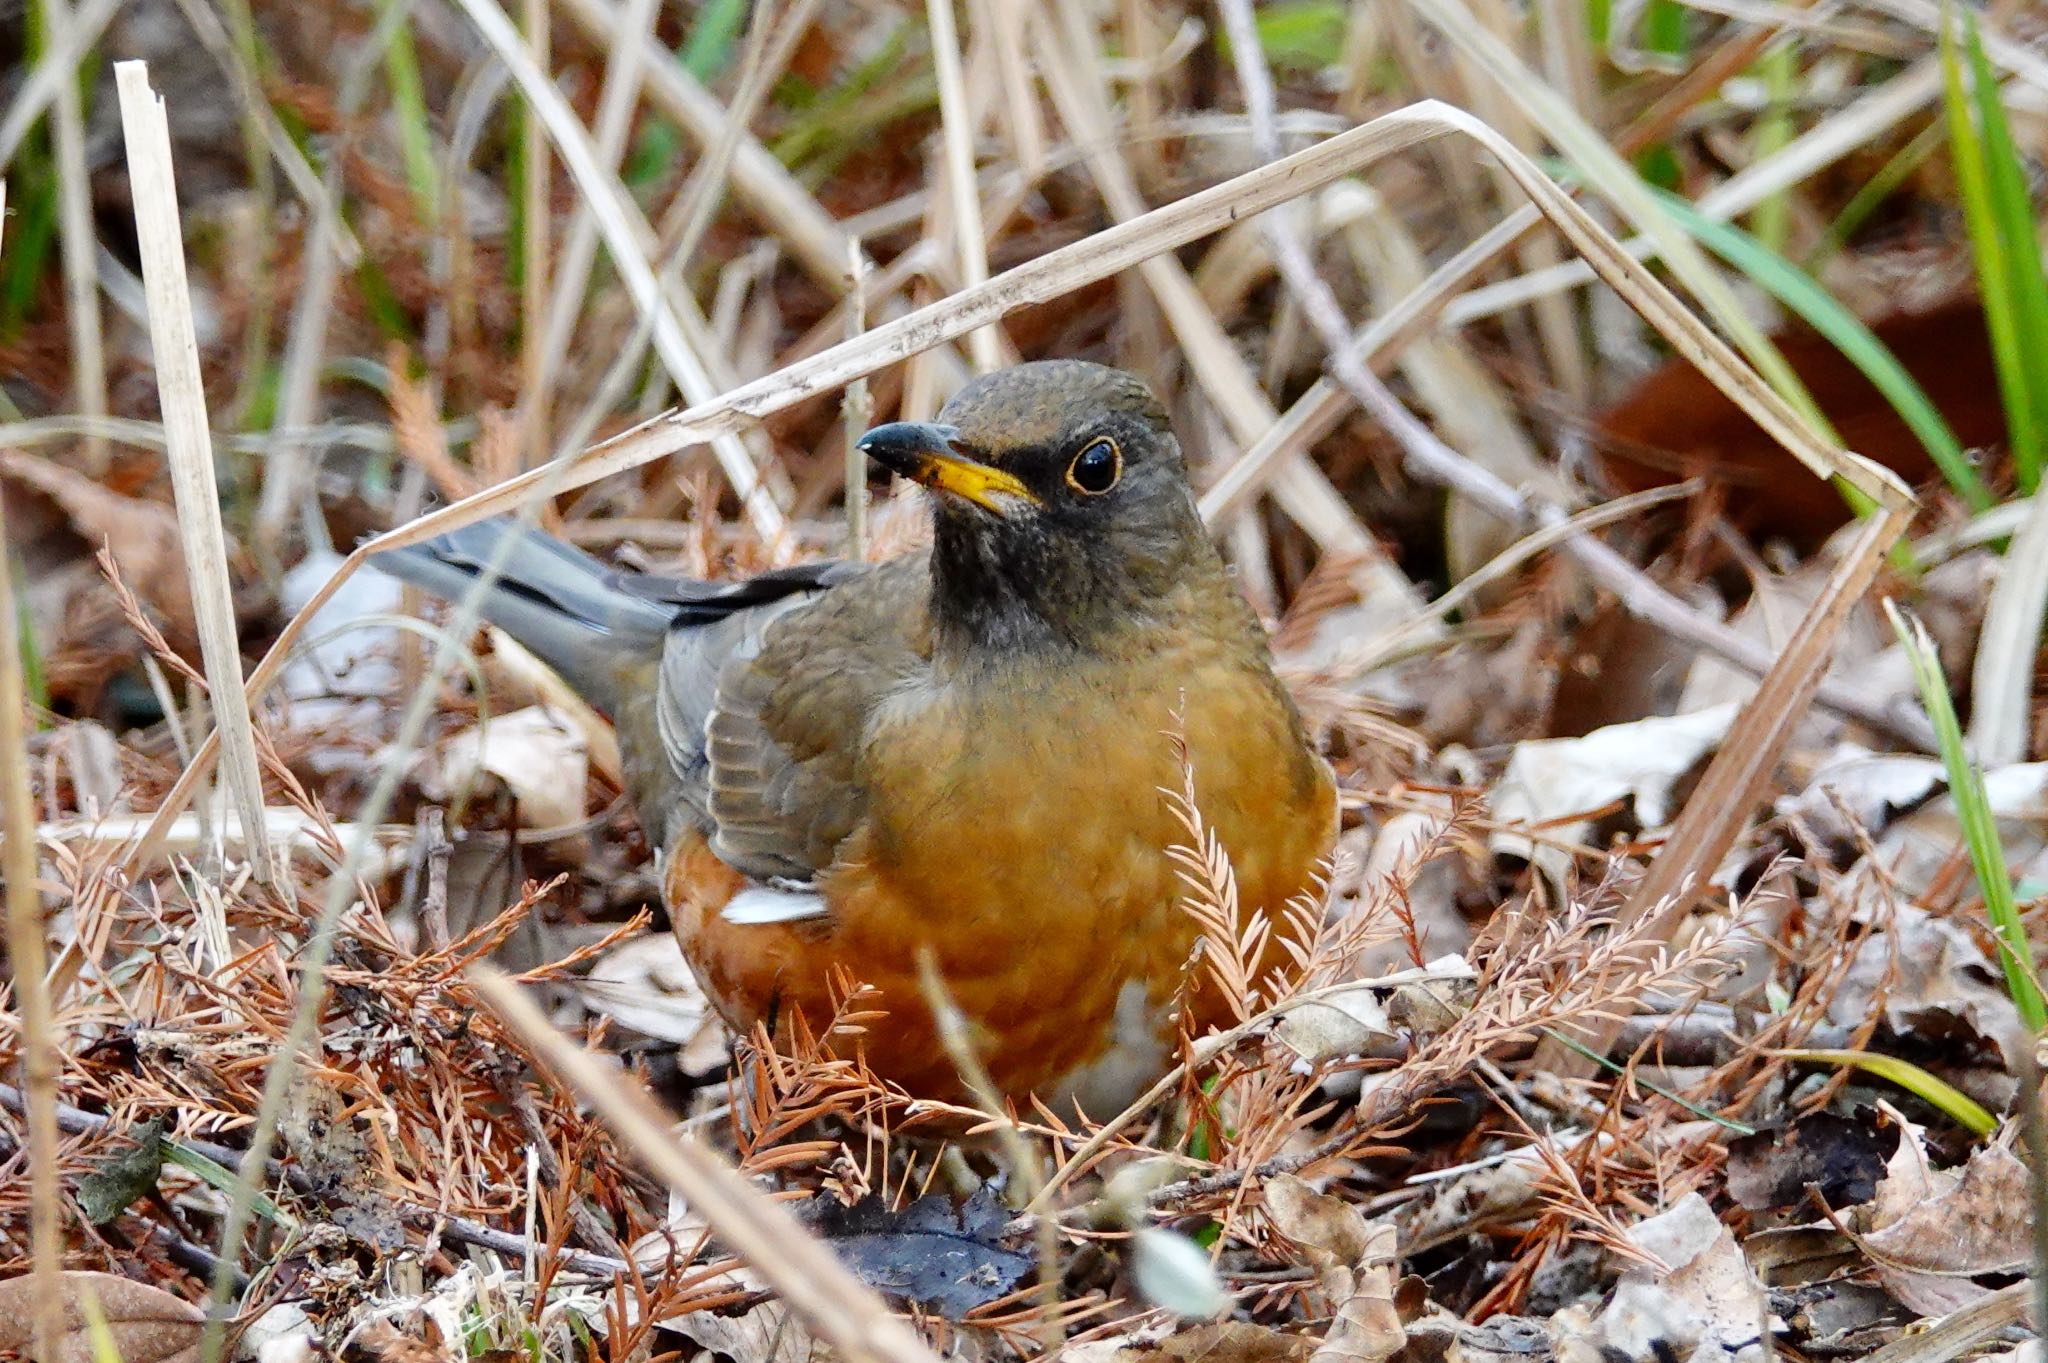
(1670, 995)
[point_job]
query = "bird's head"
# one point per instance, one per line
(1062, 511)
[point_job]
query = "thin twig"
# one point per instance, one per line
(463, 1231)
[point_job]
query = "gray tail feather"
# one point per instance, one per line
(552, 597)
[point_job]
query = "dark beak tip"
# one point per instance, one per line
(925, 436)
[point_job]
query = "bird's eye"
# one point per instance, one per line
(1096, 468)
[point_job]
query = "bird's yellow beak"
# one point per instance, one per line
(926, 453)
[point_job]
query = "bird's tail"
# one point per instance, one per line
(553, 598)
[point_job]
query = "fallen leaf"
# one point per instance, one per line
(763, 1333)
(1354, 1263)
(540, 756)
(148, 1324)
(646, 986)
(1934, 981)
(1549, 780)
(1229, 1341)
(1705, 1295)
(1351, 1022)
(142, 535)
(332, 1150)
(1771, 1170)
(1941, 1228)
(945, 1258)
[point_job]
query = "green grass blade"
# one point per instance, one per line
(1664, 28)
(221, 1179)
(1770, 221)
(34, 681)
(31, 236)
(2012, 213)
(713, 37)
(1980, 830)
(1813, 304)
(1600, 22)
(1993, 257)
(1954, 1104)
(1876, 190)
(415, 131)
(1604, 1062)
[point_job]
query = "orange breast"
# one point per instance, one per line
(1022, 839)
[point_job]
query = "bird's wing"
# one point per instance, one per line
(698, 602)
(763, 713)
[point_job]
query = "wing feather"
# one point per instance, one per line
(763, 714)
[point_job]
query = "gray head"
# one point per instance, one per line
(1063, 517)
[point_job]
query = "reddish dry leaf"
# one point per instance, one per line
(148, 1324)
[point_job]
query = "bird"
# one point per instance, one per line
(964, 755)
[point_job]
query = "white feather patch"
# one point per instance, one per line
(773, 904)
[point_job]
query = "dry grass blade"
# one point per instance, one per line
(182, 394)
(1165, 229)
(59, 60)
(1864, 121)
(843, 1311)
(536, 221)
(1960, 1331)
(626, 238)
(298, 171)
(1429, 454)
(1720, 806)
(2002, 679)
(287, 472)
(1299, 487)
(579, 244)
(81, 245)
(970, 244)
(760, 182)
(1317, 412)
(1621, 185)
(26, 954)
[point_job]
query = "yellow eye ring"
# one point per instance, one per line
(1096, 468)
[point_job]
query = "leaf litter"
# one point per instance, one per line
(1380, 1160)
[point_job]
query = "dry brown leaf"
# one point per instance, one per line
(142, 535)
(1354, 1262)
(1227, 1341)
(148, 1324)
(1709, 1293)
(1941, 1229)
(540, 755)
